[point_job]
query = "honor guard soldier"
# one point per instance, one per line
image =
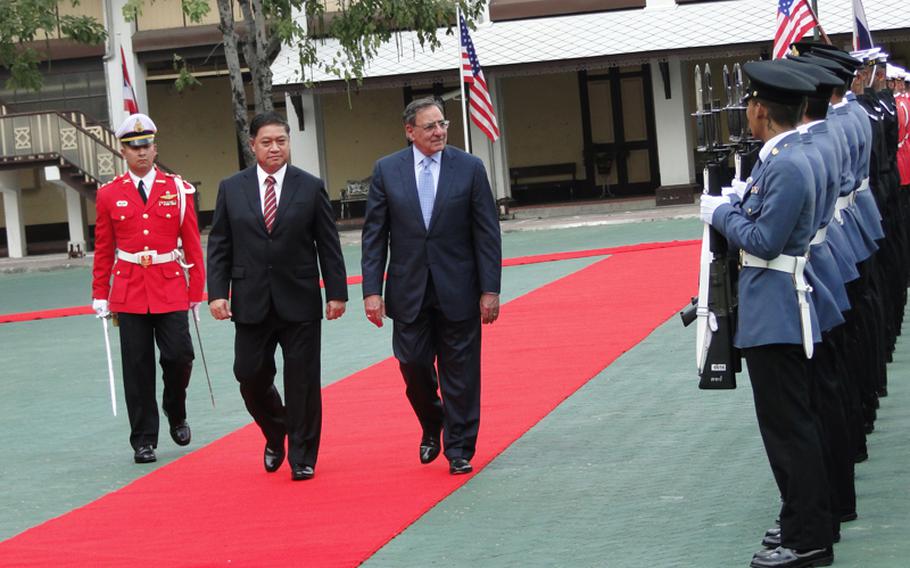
(772, 224)
(139, 274)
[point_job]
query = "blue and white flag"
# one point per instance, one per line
(862, 36)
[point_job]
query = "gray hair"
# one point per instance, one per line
(410, 112)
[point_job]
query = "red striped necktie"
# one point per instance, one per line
(271, 203)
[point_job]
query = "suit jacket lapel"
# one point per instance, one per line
(288, 190)
(409, 178)
(251, 189)
(446, 173)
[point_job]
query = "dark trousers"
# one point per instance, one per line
(454, 347)
(254, 367)
(138, 335)
(829, 398)
(790, 431)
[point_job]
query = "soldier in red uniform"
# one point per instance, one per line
(903, 124)
(144, 217)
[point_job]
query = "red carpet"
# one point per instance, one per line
(217, 507)
(354, 280)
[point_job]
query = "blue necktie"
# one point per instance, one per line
(425, 191)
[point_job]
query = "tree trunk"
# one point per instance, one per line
(256, 56)
(238, 94)
(263, 56)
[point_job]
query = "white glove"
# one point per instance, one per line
(727, 191)
(100, 307)
(739, 187)
(709, 203)
(194, 307)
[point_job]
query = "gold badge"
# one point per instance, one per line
(138, 127)
(167, 196)
(755, 189)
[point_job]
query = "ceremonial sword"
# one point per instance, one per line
(110, 365)
(202, 352)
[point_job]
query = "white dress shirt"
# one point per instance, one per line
(279, 180)
(435, 165)
(148, 180)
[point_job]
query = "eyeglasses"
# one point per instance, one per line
(444, 124)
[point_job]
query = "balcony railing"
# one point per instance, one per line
(64, 137)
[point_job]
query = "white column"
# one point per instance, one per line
(12, 209)
(493, 154)
(120, 34)
(307, 143)
(75, 211)
(674, 153)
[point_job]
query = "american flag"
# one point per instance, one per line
(129, 95)
(481, 105)
(794, 19)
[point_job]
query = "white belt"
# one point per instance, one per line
(843, 203)
(796, 266)
(864, 185)
(819, 237)
(150, 257)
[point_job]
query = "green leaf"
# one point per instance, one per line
(185, 78)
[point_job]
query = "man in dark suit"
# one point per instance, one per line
(272, 222)
(432, 207)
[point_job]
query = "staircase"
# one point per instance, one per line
(85, 153)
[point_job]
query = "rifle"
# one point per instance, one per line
(714, 310)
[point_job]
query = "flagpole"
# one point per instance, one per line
(818, 30)
(464, 99)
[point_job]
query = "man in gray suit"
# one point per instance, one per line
(430, 211)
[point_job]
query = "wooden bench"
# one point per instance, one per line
(542, 171)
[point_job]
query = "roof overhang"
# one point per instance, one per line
(728, 28)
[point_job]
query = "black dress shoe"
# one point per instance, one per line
(429, 450)
(273, 458)
(847, 517)
(180, 433)
(772, 536)
(302, 472)
(460, 466)
(782, 557)
(144, 454)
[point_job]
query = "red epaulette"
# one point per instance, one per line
(119, 179)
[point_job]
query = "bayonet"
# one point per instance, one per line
(710, 122)
(701, 138)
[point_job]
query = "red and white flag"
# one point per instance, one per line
(129, 95)
(481, 105)
(795, 19)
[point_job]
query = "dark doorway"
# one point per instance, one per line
(620, 144)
